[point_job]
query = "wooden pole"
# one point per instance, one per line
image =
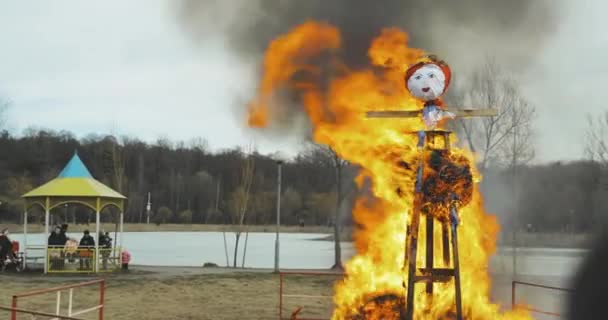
(276, 241)
(430, 227)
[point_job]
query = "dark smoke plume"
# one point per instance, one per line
(459, 31)
(462, 32)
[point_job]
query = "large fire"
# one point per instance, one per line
(336, 99)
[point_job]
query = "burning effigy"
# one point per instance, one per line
(406, 160)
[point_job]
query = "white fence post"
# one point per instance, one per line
(70, 302)
(58, 302)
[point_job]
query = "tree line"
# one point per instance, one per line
(190, 184)
(187, 182)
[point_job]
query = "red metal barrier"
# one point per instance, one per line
(535, 285)
(37, 313)
(282, 294)
(99, 307)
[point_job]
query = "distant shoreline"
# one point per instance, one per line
(524, 240)
(141, 227)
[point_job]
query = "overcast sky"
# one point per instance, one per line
(126, 67)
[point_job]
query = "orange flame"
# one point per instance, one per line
(337, 114)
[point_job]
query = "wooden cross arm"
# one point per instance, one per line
(461, 113)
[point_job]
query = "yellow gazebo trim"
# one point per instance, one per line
(74, 190)
(89, 202)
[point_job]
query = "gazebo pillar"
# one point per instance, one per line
(25, 238)
(120, 248)
(46, 234)
(97, 222)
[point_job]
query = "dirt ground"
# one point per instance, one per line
(180, 293)
(223, 294)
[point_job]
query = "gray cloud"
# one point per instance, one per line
(459, 31)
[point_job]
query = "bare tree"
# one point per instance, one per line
(240, 199)
(518, 146)
(16, 186)
(596, 136)
(327, 157)
(593, 178)
(505, 139)
(4, 105)
(339, 165)
(118, 167)
(596, 150)
(114, 166)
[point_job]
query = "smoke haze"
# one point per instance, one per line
(458, 31)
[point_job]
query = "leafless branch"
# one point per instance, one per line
(505, 138)
(4, 105)
(595, 140)
(240, 198)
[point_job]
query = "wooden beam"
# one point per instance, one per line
(394, 114)
(461, 113)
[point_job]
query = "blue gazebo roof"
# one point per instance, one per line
(75, 169)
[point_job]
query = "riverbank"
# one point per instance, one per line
(522, 239)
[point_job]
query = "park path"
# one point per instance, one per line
(139, 272)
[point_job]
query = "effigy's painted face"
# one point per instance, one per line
(427, 83)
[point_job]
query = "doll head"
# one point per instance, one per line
(428, 79)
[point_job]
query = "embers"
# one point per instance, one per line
(446, 174)
(383, 307)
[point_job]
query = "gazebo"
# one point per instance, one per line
(74, 185)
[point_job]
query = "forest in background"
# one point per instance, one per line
(187, 182)
(190, 184)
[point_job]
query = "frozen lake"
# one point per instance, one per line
(301, 251)
(298, 250)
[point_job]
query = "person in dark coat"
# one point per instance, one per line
(6, 246)
(85, 249)
(54, 240)
(87, 240)
(63, 237)
(55, 244)
(108, 243)
(102, 239)
(62, 240)
(105, 247)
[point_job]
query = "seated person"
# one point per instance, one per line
(55, 244)
(87, 244)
